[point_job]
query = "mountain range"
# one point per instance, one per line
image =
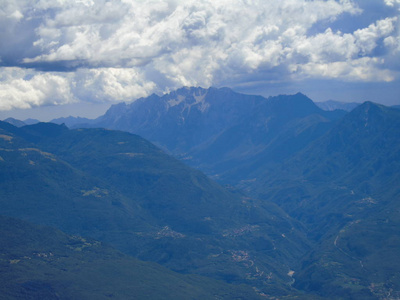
(227, 135)
(310, 206)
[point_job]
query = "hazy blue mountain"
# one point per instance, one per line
(345, 187)
(31, 121)
(71, 121)
(225, 134)
(333, 105)
(15, 122)
(40, 262)
(182, 119)
(118, 188)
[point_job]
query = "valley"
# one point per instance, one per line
(274, 195)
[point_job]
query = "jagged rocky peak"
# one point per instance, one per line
(116, 109)
(183, 99)
(188, 97)
(197, 92)
(190, 90)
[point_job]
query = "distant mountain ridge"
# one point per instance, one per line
(333, 105)
(20, 123)
(71, 121)
(218, 130)
(196, 113)
(15, 122)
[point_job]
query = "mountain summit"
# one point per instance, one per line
(182, 119)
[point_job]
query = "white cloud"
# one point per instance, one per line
(393, 42)
(119, 50)
(134, 34)
(366, 39)
(111, 84)
(346, 56)
(362, 69)
(392, 2)
(20, 88)
(17, 15)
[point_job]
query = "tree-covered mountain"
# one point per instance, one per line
(345, 187)
(118, 188)
(358, 157)
(39, 262)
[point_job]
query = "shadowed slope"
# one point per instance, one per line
(119, 188)
(43, 263)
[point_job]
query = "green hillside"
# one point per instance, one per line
(40, 262)
(120, 189)
(345, 188)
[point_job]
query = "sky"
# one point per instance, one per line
(77, 57)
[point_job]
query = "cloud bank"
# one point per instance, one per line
(57, 52)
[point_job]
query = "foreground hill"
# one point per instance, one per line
(43, 263)
(118, 188)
